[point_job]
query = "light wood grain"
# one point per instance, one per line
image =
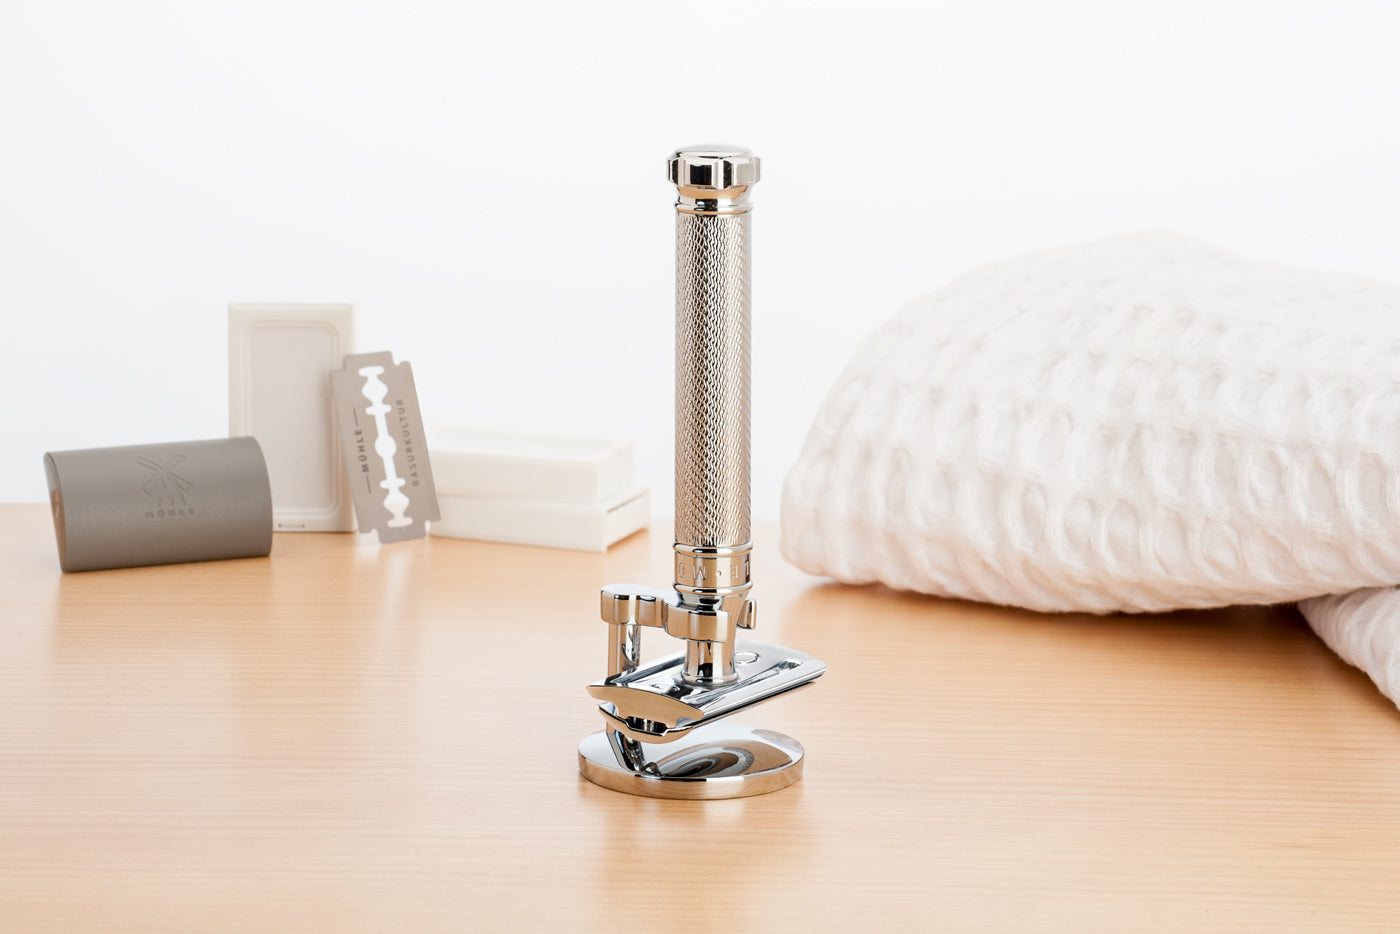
(347, 738)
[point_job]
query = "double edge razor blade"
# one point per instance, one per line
(386, 455)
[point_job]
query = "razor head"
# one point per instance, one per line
(656, 704)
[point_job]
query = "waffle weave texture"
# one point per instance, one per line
(1143, 423)
(1363, 627)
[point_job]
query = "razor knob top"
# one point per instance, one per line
(712, 167)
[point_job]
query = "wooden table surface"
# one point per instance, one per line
(347, 738)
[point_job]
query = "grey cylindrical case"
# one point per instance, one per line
(160, 503)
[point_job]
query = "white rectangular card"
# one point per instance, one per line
(280, 360)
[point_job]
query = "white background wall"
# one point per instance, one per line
(486, 183)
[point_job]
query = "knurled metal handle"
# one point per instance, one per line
(713, 341)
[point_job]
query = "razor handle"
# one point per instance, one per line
(713, 376)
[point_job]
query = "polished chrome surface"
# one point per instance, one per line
(655, 716)
(701, 569)
(728, 761)
(712, 179)
(628, 604)
(713, 166)
(657, 702)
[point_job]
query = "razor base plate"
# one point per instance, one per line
(721, 760)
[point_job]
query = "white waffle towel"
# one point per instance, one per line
(1140, 424)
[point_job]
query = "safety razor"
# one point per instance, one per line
(662, 735)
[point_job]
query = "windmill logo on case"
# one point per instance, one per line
(165, 489)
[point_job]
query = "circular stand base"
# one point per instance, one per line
(722, 760)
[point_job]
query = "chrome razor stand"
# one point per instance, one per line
(660, 735)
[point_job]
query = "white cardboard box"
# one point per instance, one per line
(585, 527)
(533, 468)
